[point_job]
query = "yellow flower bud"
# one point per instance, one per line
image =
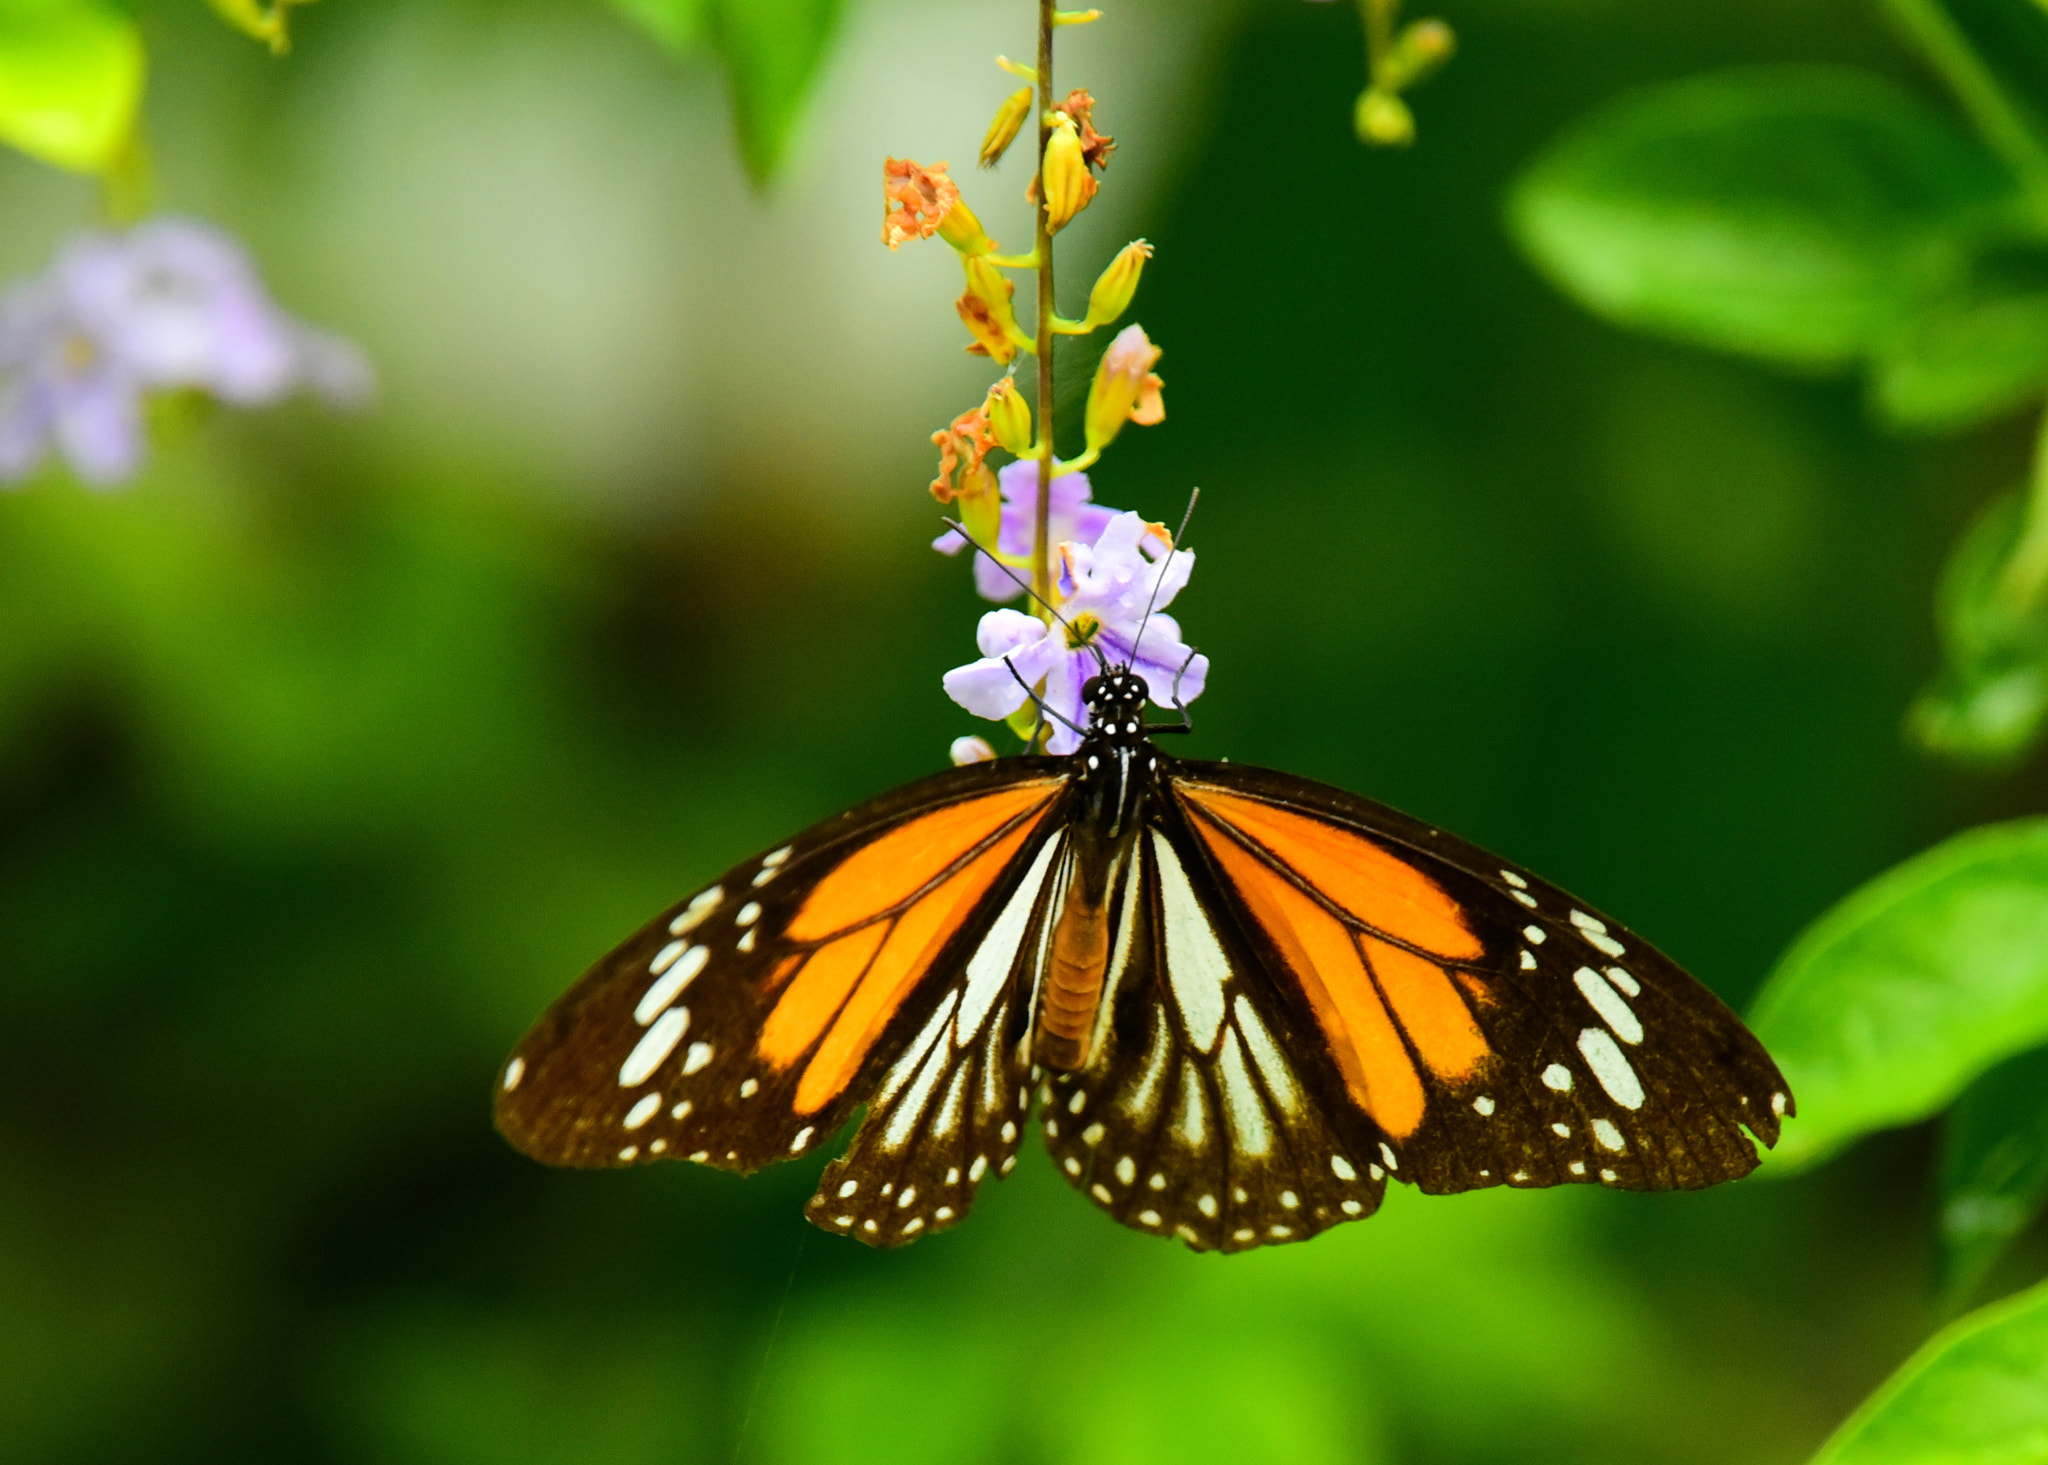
(1125, 389)
(959, 228)
(1383, 119)
(1113, 290)
(1068, 183)
(1003, 130)
(987, 311)
(1009, 417)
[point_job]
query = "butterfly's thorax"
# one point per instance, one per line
(1116, 772)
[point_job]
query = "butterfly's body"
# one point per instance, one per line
(1244, 1000)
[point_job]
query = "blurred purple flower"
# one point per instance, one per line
(1104, 591)
(1073, 518)
(169, 304)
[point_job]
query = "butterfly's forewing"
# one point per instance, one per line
(745, 1024)
(1208, 1109)
(1495, 1029)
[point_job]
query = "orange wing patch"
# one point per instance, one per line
(1374, 887)
(1432, 1013)
(848, 990)
(884, 874)
(1325, 960)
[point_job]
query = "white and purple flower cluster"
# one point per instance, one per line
(1116, 576)
(169, 304)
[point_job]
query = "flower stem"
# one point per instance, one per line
(1041, 549)
(2002, 126)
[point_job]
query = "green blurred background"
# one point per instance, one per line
(336, 746)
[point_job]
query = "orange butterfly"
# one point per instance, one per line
(1244, 1001)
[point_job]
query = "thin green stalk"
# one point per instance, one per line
(1998, 121)
(1041, 547)
(2026, 570)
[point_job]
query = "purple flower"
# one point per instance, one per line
(1073, 517)
(169, 304)
(1104, 590)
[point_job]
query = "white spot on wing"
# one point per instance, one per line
(654, 1047)
(903, 1068)
(1190, 1117)
(1604, 1057)
(1629, 986)
(1341, 1168)
(1126, 1170)
(1528, 960)
(988, 971)
(514, 1071)
(642, 1111)
(1266, 1054)
(1243, 1110)
(1609, 1137)
(1515, 880)
(1609, 1004)
(1595, 932)
(1196, 967)
(701, 905)
(1524, 897)
(1484, 1105)
(1558, 1077)
(669, 985)
(1145, 1097)
(1534, 935)
(1387, 1154)
(696, 1058)
(749, 913)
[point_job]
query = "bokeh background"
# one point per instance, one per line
(336, 745)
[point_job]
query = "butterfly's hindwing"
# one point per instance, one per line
(1196, 1115)
(951, 1105)
(744, 1025)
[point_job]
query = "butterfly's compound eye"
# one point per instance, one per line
(1091, 690)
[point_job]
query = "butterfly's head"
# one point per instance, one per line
(1116, 702)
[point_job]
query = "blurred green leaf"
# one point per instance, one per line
(1963, 359)
(70, 81)
(1977, 1394)
(677, 24)
(1912, 986)
(772, 50)
(1796, 214)
(1994, 1168)
(1991, 700)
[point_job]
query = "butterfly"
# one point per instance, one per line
(1242, 1001)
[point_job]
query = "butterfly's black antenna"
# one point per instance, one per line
(1100, 660)
(1194, 497)
(1037, 701)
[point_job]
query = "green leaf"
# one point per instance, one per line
(1977, 1394)
(772, 50)
(677, 24)
(1796, 214)
(1994, 1168)
(70, 81)
(1967, 357)
(1990, 703)
(1904, 992)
